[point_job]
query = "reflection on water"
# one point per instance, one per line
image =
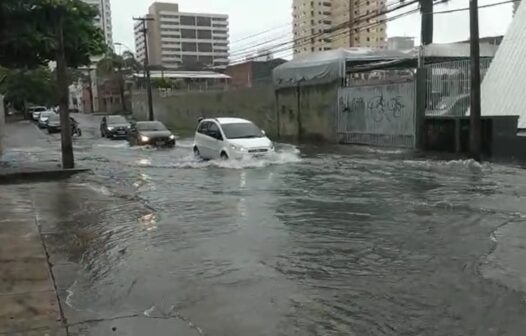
(329, 242)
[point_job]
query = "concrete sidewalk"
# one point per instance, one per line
(30, 155)
(28, 299)
(53, 238)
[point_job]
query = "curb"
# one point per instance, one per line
(40, 175)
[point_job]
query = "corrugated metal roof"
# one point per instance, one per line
(185, 74)
(504, 89)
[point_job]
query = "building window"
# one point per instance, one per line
(187, 20)
(205, 47)
(188, 33)
(204, 34)
(188, 46)
(204, 21)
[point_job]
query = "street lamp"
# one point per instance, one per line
(123, 45)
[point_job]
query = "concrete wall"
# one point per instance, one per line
(312, 119)
(182, 110)
(378, 114)
(308, 112)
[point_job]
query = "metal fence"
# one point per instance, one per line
(449, 85)
(379, 115)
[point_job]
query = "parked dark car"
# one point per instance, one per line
(150, 133)
(114, 127)
(53, 125)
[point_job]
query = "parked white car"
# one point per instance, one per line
(36, 110)
(230, 138)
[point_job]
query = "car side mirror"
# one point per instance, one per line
(263, 131)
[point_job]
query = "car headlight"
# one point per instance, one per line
(172, 137)
(111, 128)
(238, 148)
(145, 138)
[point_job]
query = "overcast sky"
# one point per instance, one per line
(248, 17)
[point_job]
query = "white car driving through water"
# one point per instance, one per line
(230, 138)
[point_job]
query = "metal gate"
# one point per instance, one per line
(379, 114)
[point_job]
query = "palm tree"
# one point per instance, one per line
(118, 68)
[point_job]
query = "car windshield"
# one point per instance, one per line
(242, 131)
(151, 126)
(39, 109)
(117, 120)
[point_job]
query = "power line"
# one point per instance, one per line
(480, 7)
(345, 25)
(291, 52)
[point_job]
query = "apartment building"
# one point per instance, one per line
(400, 43)
(356, 23)
(179, 39)
(103, 21)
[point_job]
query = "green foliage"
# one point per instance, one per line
(37, 86)
(29, 30)
(118, 65)
(161, 83)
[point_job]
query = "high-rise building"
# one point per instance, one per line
(332, 24)
(400, 43)
(103, 21)
(178, 39)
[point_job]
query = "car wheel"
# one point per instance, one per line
(197, 154)
(224, 156)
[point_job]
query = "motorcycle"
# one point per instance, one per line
(75, 129)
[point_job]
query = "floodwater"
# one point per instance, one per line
(333, 240)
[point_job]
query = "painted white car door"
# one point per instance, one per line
(201, 140)
(215, 145)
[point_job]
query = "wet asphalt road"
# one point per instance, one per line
(314, 241)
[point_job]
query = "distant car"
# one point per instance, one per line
(150, 133)
(36, 110)
(232, 138)
(53, 124)
(43, 118)
(114, 126)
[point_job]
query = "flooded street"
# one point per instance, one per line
(333, 240)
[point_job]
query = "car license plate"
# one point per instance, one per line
(160, 143)
(121, 132)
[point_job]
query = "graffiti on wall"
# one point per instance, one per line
(387, 109)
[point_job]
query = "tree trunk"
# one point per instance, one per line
(121, 90)
(63, 92)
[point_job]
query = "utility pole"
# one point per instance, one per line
(426, 10)
(351, 16)
(475, 135)
(68, 161)
(147, 65)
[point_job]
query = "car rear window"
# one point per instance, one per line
(151, 126)
(117, 120)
